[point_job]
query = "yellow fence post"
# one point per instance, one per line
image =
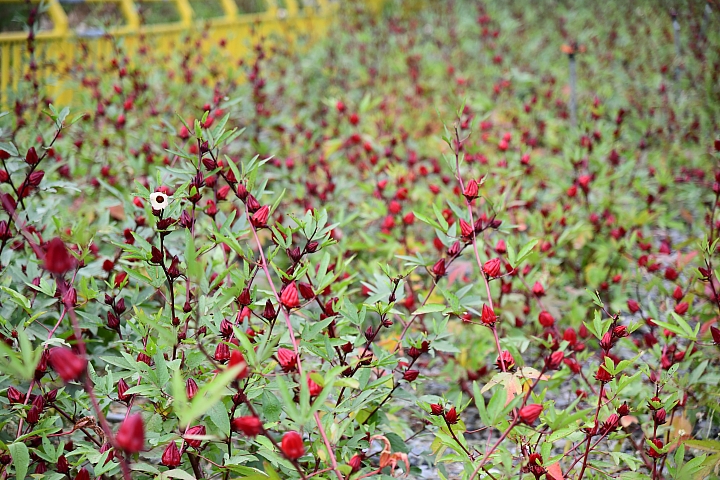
(186, 13)
(58, 45)
(230, 8)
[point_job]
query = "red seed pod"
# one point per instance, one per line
(222, 352)
(529, 413)
(58, 259)
(492, 268)
(237, 359)
(410, 375)
(655, 452)
(171, 455)
(123, 387)
(289, 296)
(196, 431)
(620, 331)
(191, 388)
(451, 416)
(438, 269)
(554, 360)
(603, 375)
(488, 316)
(68, 365)
(287, 360)
(131, 434)
(292, 445)
(538, 290)
(249, 425)
(545, 319)
(436, 409)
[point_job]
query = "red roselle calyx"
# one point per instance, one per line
(410, 375)
(58, 259)
(292, 445)
(436, 409)
(250, 425)
(191, 388)
(287, 360)
(438, 269)
(68, 365)
(171, 455)
(488, 316)
(529, 413)
(131, 434)
(123, 387)
(472, 190)
(492, 268)
(451, 416)
(237, 359)
(545, 319)
(289, 296)
(196, 431)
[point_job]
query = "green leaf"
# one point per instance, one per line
(429, 308)
(17, 298)
(219, 416)
(175, 473)
(20, 458)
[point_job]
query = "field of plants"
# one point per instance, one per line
(453, 240)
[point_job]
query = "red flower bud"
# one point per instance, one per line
(292, 445)
(222, 352)
(191, 388)
(237, 358)
(606, 342)
(131, 434)
(439, 268)
(410, 375)
(171, 455)
(123, 387)
(68, 365)
(14, 395)
(603, 375)
(652, 452)
(451, 416)
(31, 157)
(355, 463)
(82, 474)
(545, 319)
(715, 332)
(466, 230)
(488, 316)
(555, 359)
(538, 290)
(436, 409)
(58, 259)
(259, 218)
(492, 268)
(472, 190)
(529, 413)
(633, 306)
(681, 308)
(250, 425)
(287, 360)
(620, 331)
(289, 296)
(196, 431)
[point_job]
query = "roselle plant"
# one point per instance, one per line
(389, 253)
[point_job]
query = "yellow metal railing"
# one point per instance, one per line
(57, 47)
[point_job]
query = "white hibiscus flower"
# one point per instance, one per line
(159, 200)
